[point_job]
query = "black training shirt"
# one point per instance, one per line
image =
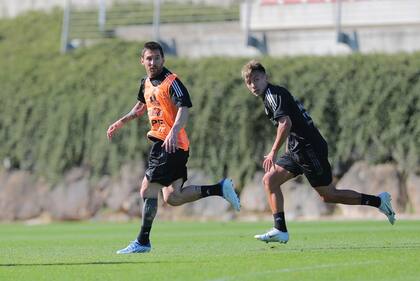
(178, 92)
(278, 102)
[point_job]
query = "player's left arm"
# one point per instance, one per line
(283, 130)
(181, 119)
(280, 103)
(181, 99)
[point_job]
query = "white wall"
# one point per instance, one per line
(196, 40)
(388, 26)
(324, 14)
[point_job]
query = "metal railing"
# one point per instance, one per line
(100, 22)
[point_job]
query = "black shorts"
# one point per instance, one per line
(314, 164)
(163, 167)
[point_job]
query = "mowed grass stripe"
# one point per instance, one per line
(326, 250)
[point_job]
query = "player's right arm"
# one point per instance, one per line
(137, 111)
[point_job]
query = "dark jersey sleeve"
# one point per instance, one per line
(179, 94)
(140, 95)
(281, 102)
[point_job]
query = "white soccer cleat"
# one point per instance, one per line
(386, 207)
(135, 247)
(229, 193)
(274, 235)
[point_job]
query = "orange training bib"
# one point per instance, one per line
(162, 111)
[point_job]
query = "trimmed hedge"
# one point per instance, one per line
(56, 108)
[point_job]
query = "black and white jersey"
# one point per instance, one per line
(178, 91)
(278, 102)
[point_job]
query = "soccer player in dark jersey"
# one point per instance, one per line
(166, 101)
(306, 153)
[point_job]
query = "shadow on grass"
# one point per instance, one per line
(351, 248)
(87, 263)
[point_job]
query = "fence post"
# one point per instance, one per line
(343, 37)
(259, 43)
(102, 16)
(156, 20)
(65, 28)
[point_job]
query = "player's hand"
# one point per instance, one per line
(170, 143)
(269, 161)
(113, 128)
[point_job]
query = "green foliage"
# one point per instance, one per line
(56, 108)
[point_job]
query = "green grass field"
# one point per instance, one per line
(366, 250)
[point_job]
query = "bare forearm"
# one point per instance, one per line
(128, 117)
(180, 119)
(171, 139)
(283, 130)
(137, 111)
(280, 139)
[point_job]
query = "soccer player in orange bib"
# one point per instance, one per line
(167, 102)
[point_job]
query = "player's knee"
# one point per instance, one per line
(143, 193)
(268, 181)
(143, 188)
(326, 198)
(329, 197)
(173, 199)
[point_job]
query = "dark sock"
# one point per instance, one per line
(280, 222)
(370, 200)
(148, 215)
(210, 190)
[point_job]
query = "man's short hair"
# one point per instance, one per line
(250, 67)
(151, 45)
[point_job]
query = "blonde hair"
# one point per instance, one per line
(251, 67)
